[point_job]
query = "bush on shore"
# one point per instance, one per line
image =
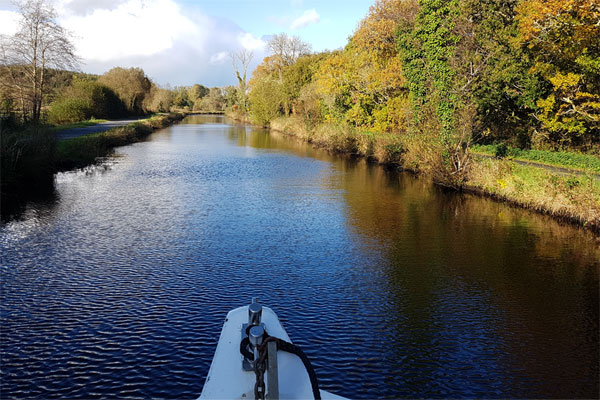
(83, 100)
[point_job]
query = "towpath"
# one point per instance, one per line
(101, 127)
(552, 168)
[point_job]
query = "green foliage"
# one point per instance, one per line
(298, 75)
(85, 99)
(231, 96)
(197, 92)
(159, 100)
(501, 150)
(437, 75)
(496, 74)
(130, 84)
(214, 102)
(266, 100)
(426, 51)
(68, 110)
(181, 98)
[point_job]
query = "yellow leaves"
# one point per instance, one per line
(269, 66)
(562, 81)
(563, 39)
(393, 116)
(547, 104)
(562, 27)
(333, 73)
(359, 116)
(376, 33)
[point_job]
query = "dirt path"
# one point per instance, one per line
(101, 127)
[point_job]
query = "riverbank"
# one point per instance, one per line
(83, 150)
(571, 198)
(30, 156)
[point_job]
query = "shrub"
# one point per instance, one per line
(83, 100)
(501, 150)
(266, 101)
(68, 110)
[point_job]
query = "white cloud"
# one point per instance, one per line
(133, 28)
(176, 44)
(309, 17)
(83, 7)
(219, 58)
(251, 42)
(9, 22)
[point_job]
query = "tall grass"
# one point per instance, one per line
(343, 138)
(576, 198)
(27, 155)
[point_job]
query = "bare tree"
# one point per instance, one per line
(288, 48)
(39, 44)
(241, 60)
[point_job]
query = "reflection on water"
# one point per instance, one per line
(395, 288)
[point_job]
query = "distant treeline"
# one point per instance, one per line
(427, 78)
(73, 96)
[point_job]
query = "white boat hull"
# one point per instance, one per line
(227, 379)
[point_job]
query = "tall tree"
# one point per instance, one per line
(39, 44)
(288, 48)
(131, 84)
(241, 60)
(563, 39)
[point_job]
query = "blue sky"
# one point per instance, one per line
(181, 42)
(337, 18)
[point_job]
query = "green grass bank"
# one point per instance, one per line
(578, 161)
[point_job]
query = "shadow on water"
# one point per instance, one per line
(15, 201)
(459, 269)
(42, 196)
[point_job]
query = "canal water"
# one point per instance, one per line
(117, 285)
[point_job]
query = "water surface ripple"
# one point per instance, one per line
(118, 285)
